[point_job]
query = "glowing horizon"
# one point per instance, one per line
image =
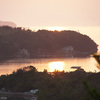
(56, 28)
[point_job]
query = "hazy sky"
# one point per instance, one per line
(78, 15)
(51, 12)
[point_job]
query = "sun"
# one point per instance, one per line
(56, 28)
(56, 66)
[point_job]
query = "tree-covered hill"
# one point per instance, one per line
(12, 40)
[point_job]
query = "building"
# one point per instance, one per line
(23, 53)
(34, 91)
(67, 51)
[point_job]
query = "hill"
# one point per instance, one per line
(18, 42)
(7, 23)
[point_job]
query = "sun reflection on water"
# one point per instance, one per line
(56, 66)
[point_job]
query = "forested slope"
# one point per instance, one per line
(42, 41)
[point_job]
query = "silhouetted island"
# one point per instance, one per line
(7, 23)
(19, 42)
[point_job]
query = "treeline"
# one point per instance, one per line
(54, 86)
(42, 42)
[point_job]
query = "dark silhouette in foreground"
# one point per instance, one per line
(52, 86)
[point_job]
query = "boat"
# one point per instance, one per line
(76, 67)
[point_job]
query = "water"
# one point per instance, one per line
(88, 64)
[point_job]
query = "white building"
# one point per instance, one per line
(68, 49)
(34, 91)
(23, 53)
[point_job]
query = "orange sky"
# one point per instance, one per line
(51, 12)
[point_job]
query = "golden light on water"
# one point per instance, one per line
(56, 66)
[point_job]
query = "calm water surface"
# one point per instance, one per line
(88, 64)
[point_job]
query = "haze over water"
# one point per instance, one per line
(88, 64)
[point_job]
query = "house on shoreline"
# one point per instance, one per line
(22, 53)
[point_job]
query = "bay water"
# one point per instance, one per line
(88, 64)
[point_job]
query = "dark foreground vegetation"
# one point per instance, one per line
(54, 86)
(18, 42)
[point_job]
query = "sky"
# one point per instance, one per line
(51, 12)
(79, 15)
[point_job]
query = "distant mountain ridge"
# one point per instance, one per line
(7, 23)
